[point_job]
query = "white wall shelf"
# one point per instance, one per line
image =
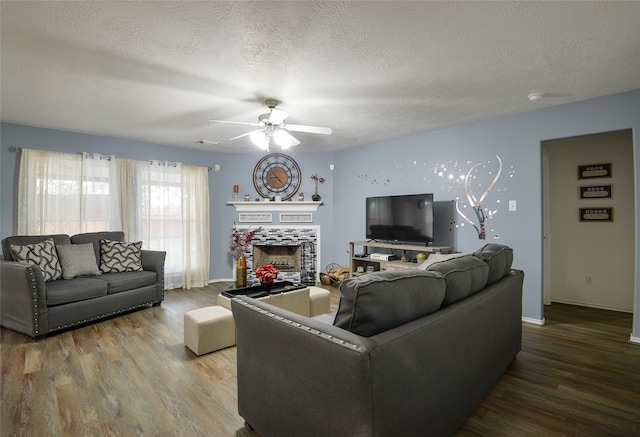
(276, 206)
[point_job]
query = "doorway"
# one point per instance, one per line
(589, 239)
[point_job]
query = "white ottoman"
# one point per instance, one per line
(209, 329)
(318, 301)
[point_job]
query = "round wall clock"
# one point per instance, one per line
(277, 175)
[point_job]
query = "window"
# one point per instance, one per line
(166, 205)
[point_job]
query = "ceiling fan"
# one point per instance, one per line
(272, 125)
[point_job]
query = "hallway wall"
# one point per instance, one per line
(591, 263)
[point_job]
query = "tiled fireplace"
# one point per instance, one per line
(293, 250)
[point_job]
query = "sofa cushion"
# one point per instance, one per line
(437, 257)
(118, 282)
(499, 258)
(77, 260)
(377, 302)
(43, 255)
(119, 256)
(74, 290)
(465, 276)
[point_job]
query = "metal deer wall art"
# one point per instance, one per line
(482, 214)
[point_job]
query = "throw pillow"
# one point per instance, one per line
(377, 302)
(77, 260)
(43, 255)
(118, 256)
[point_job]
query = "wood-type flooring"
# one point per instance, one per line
(132, 376)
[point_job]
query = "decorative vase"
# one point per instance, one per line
(315, 197)
(266, 286)
(241, 271)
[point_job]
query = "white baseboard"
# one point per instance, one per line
(633, 339)
(529, 320)
(588, 305)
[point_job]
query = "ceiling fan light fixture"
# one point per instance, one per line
(535, 97)
(284, 139)
(277, 116)
(260, 139)
(272, 124)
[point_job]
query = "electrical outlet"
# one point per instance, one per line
(513, 205)
(588, 280)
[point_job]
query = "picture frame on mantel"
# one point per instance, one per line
(596, 192)
(590, 171)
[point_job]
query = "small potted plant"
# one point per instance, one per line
(267, 274)
(317, 180)
(240, 240)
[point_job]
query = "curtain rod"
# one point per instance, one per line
(16, 149)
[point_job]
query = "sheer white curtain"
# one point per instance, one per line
(195, 225)
(158, 205)
(100, 209)
(49, 193)
(166, 205)
(62, 193)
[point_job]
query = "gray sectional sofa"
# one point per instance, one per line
(50, 283)
(408, 353)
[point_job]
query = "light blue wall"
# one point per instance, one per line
(399, 166)
(406, 165)
(234, 169)
(238, 169)
(68, 142)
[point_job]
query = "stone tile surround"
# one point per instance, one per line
(306, 236)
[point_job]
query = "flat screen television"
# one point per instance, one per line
(406, 219)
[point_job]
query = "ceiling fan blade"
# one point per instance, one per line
(235, 122)
(244, 135)
(277, 116)
(284, 139)
(309, 129)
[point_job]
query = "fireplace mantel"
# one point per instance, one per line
(276, 206)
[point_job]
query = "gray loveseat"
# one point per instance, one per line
(39, 301)
(409, 352)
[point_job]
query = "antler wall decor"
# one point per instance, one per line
(476, 204)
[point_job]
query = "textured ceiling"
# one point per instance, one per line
(158, 71)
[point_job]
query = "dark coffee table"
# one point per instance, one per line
(255, 291)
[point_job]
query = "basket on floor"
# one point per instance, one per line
(335, 274)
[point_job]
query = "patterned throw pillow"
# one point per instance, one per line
(118, 256)
(77, 260)
(43, 255)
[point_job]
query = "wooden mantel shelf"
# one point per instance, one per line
(276, 206)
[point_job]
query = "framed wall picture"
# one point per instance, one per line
(596, 192)
(594, 171)
(596, 214)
